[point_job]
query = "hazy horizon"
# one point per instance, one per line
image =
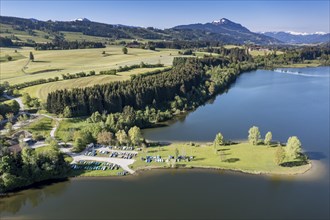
(257, 16)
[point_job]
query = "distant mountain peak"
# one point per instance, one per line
(222, 21)
(81, 19)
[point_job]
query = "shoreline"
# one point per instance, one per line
(262, 173)
(141, 171)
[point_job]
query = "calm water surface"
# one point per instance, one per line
(293, 103)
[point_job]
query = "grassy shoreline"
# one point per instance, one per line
(304, 169)
(241, 157)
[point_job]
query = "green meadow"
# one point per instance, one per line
(52, 63)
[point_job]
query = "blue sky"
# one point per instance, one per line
(300, 16)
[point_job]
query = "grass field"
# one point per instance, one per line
(5, 53)
(41, 126)
(255, 53)
(41, 91)
(69, 124)
(24, 36)
(43, 149)
(51, 63)
(78, 36)
(230, 46)
(201, 54)
(242, 156)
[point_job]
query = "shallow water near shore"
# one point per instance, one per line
(286, 104)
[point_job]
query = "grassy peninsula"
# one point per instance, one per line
(245, 157)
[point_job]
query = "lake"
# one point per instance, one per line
(290, 101)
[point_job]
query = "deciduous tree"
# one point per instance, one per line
(268, 138)
(176, 153)
(105, 138)
(135, 135)
(31, 56)
(293, 148)
(125, 50)
(254, 135)
(122, 137)
(279, 155)
(9, 127)
(218, 141)
(10, 116)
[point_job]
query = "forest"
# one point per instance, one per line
(25, 168)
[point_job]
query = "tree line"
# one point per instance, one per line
(68, 45)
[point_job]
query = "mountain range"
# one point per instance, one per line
(222, 30)
(230, 29)
(299, 38)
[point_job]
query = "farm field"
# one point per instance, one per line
(41, 91)
(78, 36)
(255, 53)
(24, 36)
(51, 63)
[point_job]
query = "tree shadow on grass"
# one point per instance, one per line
(231, 160)
(224, 149)
(41, 61)
(197, 159)
(157, 144)
(294, 163)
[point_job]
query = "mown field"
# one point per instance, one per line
(242, 156)
(41, 91)
(255, 53)
(51, 63)
(24, 36)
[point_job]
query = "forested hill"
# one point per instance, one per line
(228, 34)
